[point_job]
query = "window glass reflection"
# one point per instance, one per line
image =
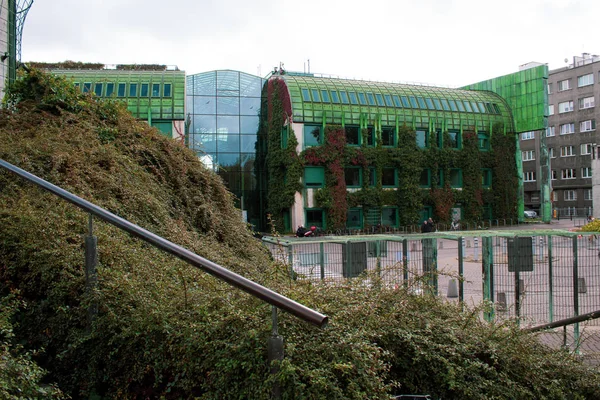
(204, 124)
(205, 142)
(228, 143)
(205, 105)
(248, 143)
(249, 105)
(228, 160)
(249, 125)
(226, 125)
(203, 84)
(228, 105)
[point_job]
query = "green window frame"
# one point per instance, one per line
(353, 98)
(371, 99)
(284, 137)
(370, 136)
(325, 96)
(315, 217)
(353, 177)
(389, 216)
(397, 102)
(110, 89)
(98, 88)
(460, 105)
(344, 97)
(422, 138)
(425, 179)
(315, 95)
(388, 136)
(76, 84)
(379, 99)
(425, 213)
(314, 177)
(313, 135)
(335, 98)
(167, 90)
(362, 99)
(486, 178)
(388, 100)
(422, 104)
(372, 176)
(354, 218)
(133, 90)
(445, 105)
(156, 90)
(429, 103)
(144, 89)
(389, 177)
(121, 87)
(483, 141)
(405, 101)
(467, 106)
(352, 135)
(305, 95)
(455, 139)
(456, 179)
(452, 104)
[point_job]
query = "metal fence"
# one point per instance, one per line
(536, 276)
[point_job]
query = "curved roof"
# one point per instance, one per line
(340, 100)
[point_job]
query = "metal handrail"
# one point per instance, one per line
(216, 270)
(565, 322)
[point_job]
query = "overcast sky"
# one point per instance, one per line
(443, 42)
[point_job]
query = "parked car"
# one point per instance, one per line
(530, 214)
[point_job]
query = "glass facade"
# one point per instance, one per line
(223, 117)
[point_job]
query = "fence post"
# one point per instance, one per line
(91, 277)
(461, 259)
(550, 281)
(405, 261)
(275, 353)
(476, 249)
(488, 273)
(575, 287)
(322, 259)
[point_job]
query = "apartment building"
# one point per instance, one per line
(570, 139)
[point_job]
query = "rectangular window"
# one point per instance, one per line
(334, 97)
(486, 178)
(156, 90)
(586, 102)
(483, 141)
(569, 173)
(587, 194)
(315, 95)
(425, 180)
(344, 97)
(144, 90)
(388, 135)
(370, 135)
(98, 89)
(587, 126)
(454, 139)
(567, 151)
(362, 99)
(353, 177)
(551, 152)
(455, 178)
(121, 90)
(551, 109)
(315, 217)
(585, 80)
(586, 172)
(422, 137)
(553, 175)
(413, 102)
(110, 88)
(527, 135)
(354, 218)
(371, 99)
(353, 98)
(429, 103)
(397, 102)
(570, 195)
(453, 106)
(389, 216)
(167, 90)
(372, 176)
(284, 137)
(133, 90)
(312, 135)
(565, 106)
(388, 100)
(405, 102)
(529, 176)
(528, 155)
(422, 104)
(352, 135)
(325, 95)
(305, 95)
(564, 85)
(549, 88)
(586, 149)
(87, 87)
(379, 99)
(389, 177)
(467, 106)
(566, 129)
(550, 131)
(314, 177)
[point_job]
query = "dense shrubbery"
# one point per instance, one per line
(166, 330)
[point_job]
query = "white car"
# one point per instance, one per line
(530, 214)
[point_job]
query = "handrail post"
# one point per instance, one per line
(91, 277)
(275, 353)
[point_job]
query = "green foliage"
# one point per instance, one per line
(504, 173)
(20, 377)
(592, 226)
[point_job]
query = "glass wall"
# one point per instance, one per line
(223, 114)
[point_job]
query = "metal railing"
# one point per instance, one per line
(253, 288)
(564, 323)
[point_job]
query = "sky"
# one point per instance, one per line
(440, 42)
